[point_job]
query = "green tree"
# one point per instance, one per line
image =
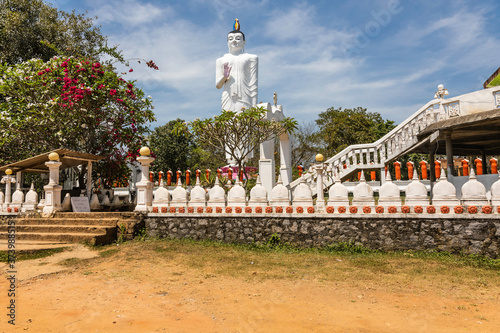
(72, 103)
(236, 134)
(340, 128)
(25, 24)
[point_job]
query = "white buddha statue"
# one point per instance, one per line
(236, 73)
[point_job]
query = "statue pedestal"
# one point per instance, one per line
(52, 198)
(144, 186)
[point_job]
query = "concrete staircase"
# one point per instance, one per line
(91, 228)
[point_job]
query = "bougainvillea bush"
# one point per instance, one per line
(73, 103)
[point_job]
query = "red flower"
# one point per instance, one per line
(341, 209)
(458, 209)
(269, 209)
(248, 209)
(112, 92)
(379, 209)
(279, 209)
(353, 209)
(418, 209)
(209, 209)
(487, 209)
(445, 209)
(199, 210)
(330, 209)
(299, 209)
(190, 209)
(131, 70)
(155, 209)
(405, 209)
(392, 209)
(258, 209)
(472, 209)
(310, 209)
(431, 209)
(238, 210)
(229, 209)
(181, 209)
(367, 209)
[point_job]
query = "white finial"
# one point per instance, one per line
(279, 180)
(32, 188)
(415, 174)
(216, 181)
(362, 178)
(388, 177)
(441, 92)
(258, 182)
(198, 181)
(179, 183)
(442, 176)
(472, 174)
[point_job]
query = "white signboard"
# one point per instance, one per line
(80, 204)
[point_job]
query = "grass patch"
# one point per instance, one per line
(108, 253)
(28, 255)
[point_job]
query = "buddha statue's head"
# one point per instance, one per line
(236, 39)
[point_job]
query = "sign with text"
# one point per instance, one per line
(80, 204)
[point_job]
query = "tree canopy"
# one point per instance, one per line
(25, 24)
(340, 128)
(71, 103)
(236, 133)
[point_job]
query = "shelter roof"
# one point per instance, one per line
(68, 158)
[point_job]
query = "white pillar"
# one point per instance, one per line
(267, 171)
(320, 199)
(144, 186)
(89, 180)
(285, 159)
(53, 189)
(8, 180)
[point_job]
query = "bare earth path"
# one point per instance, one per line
(169, 292)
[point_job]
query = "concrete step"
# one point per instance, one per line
(61, 237)
(31, 245)
(95, 215)
(67, 221)
(58, 228)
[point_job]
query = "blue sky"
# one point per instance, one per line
(387, 56)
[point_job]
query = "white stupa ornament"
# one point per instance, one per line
(179, 195)
(302, 195)
(31, 201)
(280, 195)
(473, 192)
(389, 194)
(338, 195)
(258, 195)
(495, 193)
(161, 196)
(444, 193)
(198, 195)
(416, 192)
(236, 196)
(363, 193)
(217, 195)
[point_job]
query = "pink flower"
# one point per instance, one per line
(119, 100)
(112, 92)
(64, 64)
(130, 70)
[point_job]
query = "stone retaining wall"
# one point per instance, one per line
(453, 233)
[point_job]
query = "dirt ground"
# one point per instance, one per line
(117, 294)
